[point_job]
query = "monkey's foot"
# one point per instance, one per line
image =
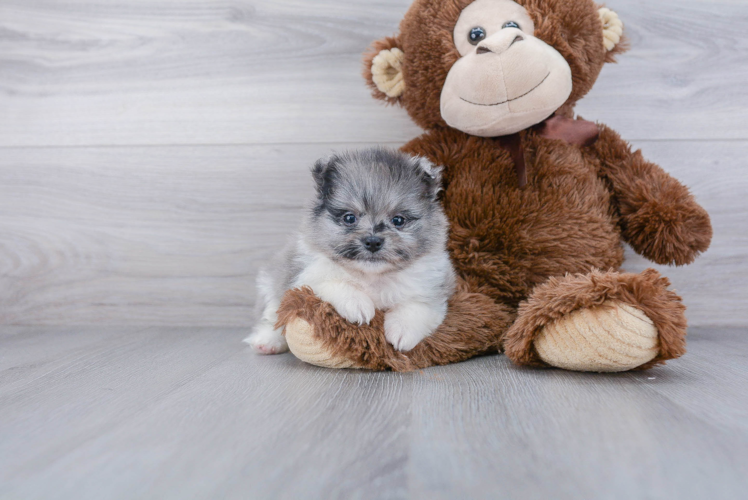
(601, 322)
(303, 343)
(317, 335)
(612, 337)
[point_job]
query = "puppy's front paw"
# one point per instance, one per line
(402, 335)
(266, 340)
(406, 326)
(358, 309)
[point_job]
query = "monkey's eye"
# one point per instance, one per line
(510, 24)
(349, 219)
(476, 35)
(398, 221)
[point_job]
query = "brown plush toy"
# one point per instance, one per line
(539, 203)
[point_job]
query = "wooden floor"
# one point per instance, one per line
(154, 153)
(123, 413)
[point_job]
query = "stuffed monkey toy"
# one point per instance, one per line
(539, 203)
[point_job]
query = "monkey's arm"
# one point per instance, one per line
(659, 217)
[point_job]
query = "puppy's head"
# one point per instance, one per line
(376, 210)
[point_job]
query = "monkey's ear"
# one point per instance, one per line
(431, 175)
(383, 70)
(613, 40)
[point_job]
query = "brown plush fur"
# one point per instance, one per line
(367, 347)
(572, 27)
(658, 216)
(542, 243)
(560, 296)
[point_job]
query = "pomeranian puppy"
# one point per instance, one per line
(375, 238)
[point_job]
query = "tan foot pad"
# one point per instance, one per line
(612, 337)
(303, 345)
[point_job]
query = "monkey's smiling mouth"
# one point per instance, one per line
(509, 100)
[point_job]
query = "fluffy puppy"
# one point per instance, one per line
(375, 238)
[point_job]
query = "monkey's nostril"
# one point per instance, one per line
(373, 243)
(483, 50)
(517, 38)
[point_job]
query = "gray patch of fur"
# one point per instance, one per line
(376, 185)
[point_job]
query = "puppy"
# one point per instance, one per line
(375, 238)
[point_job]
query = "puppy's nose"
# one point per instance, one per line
(373, 243)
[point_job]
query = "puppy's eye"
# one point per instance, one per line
(510, 24)
(398, 221)
(349, 219)
(476, 35)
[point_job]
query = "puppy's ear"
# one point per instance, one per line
(431, 176)
(383, 70)
(324, 173)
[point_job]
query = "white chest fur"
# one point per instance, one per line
(427, 279)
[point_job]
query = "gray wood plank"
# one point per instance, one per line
(122, 235)
(90, 380)
(175, 235)
(706, 385)
(249, 425)
(536, 434)
(191, 413)
(245, 71)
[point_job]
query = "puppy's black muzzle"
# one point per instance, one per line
(373, 243)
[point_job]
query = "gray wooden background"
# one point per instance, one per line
(154, 153)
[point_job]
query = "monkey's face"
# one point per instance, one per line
(506, 79)
(493, 67)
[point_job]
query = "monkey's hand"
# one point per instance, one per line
(659, 217)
